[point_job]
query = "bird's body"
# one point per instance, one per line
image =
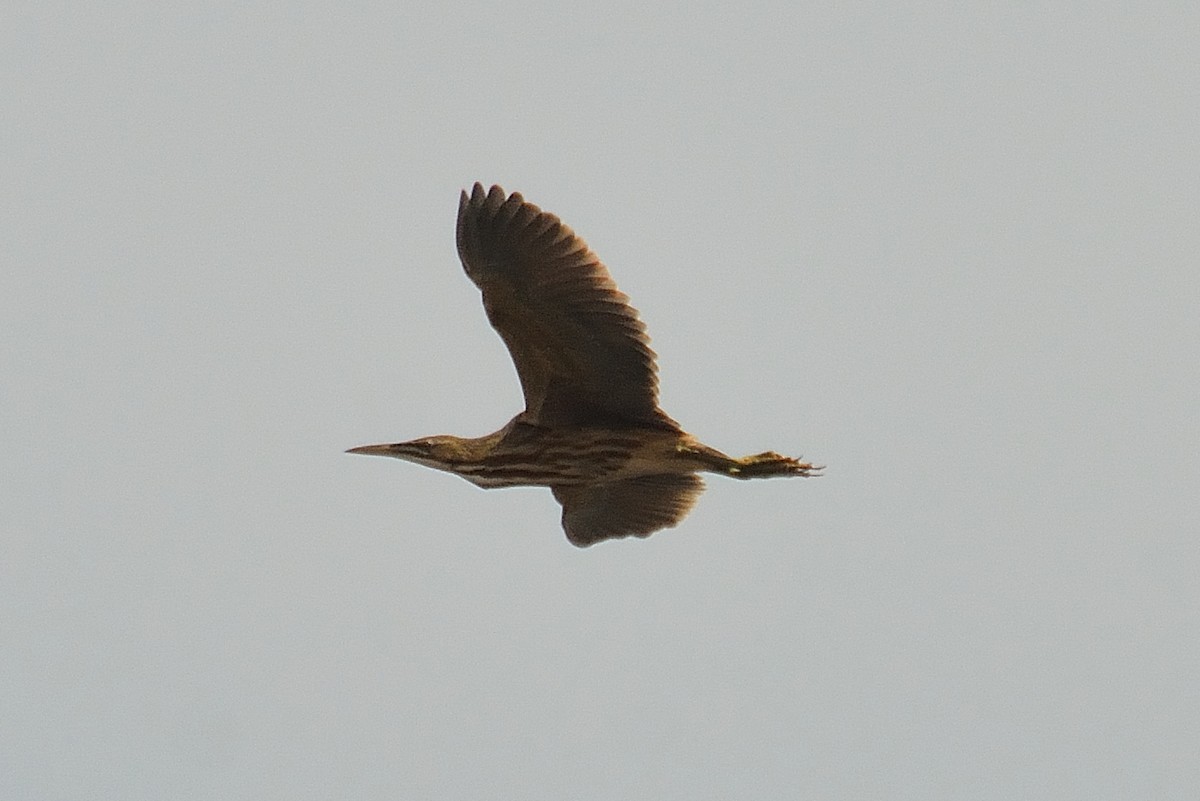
(591, 430)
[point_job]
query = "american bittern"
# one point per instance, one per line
(591, 431)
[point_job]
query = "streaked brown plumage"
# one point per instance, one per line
(591, 429)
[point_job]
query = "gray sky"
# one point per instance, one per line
(951, 254)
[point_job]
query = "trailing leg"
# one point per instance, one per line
(769, 463)
(760, 465)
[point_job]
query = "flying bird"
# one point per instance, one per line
(591, 430)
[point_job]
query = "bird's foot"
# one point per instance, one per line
(769, 463)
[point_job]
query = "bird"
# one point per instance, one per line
(592, 430)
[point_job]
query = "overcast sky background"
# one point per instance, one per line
(949, 251)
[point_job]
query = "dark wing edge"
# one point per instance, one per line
(632, 507)
(581, 351)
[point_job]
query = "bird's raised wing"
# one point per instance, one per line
(581, 352)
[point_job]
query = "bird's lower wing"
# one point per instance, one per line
(635, 507)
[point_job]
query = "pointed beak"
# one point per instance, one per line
(415, 451)
(374, 450)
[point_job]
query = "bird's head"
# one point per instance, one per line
(441, 452)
